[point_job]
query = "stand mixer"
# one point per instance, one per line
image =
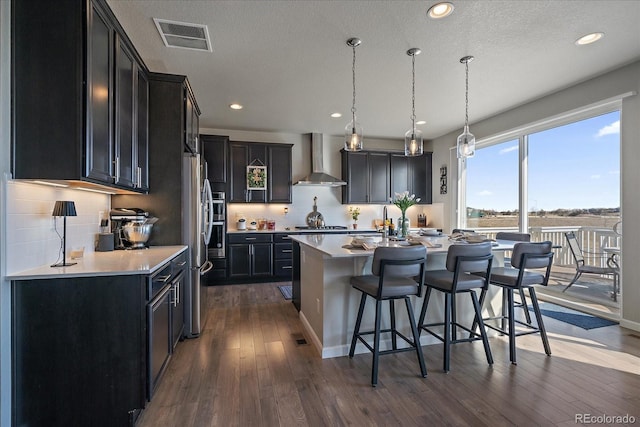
(131, 227)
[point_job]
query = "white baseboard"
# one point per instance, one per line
(630, 325)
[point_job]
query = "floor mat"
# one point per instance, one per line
(286, 291)
(573, 317)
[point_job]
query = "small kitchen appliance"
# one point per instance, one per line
(129, 223)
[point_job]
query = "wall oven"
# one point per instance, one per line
(217, 241)
(218, 206)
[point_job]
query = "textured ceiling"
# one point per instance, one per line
(288, 63)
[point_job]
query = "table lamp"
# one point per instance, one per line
(64, 208)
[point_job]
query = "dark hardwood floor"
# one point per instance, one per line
(248, 368)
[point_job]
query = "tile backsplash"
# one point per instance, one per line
(32, 240)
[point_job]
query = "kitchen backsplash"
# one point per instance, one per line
(31, 238)
(333, 212)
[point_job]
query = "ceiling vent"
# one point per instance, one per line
(183, 35)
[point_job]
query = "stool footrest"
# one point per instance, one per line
(474, 336)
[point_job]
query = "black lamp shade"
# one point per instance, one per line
(64, 208)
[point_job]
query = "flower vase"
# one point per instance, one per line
(404, 226)
(355, 225)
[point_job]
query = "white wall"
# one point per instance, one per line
(607, 86)
(31, 239)
(329, 198)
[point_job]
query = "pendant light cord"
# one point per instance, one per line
(466, 95)
(353, 73)
(413, 91)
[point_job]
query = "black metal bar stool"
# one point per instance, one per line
(462, 259)
(394, 269)
(515, 237)
(525, 256)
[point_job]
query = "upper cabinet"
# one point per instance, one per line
(80, 96)
(276, 159)
(412, 174)
(214, 149)
(374, 177)
(367, 176)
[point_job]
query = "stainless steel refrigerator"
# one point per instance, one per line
(197, 222)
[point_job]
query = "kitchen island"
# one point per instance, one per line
(329, 305)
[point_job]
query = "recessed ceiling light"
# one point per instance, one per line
(440, 10)
(336, 115)
(421, 122)
(589, 38)
(235, 106)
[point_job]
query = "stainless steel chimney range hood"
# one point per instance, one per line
(318, 176)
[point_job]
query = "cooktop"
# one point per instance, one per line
(324, 227)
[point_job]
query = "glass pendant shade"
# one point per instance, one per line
(413, 145)
(466, 144)
(353, 136)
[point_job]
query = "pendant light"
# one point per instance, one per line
(413, 138)
(466, 141)
(353, 130)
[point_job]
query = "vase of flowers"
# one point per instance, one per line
(404, 201)
(355, 213)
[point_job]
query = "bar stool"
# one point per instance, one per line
(394, 269)
(462, 259)
(524, 256)
(515, 237)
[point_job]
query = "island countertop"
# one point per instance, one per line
(114, 263)
(338, 246)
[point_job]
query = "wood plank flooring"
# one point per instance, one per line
(248, 369)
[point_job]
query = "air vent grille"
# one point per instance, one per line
(183, 35)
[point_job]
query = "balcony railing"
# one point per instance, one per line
(591, 240)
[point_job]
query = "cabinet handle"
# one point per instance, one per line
(250, 238)
(116, 162)
(162, 279)
(139, 180)
(287, 267)
(286, 238)
(287, 251)
(181, 264)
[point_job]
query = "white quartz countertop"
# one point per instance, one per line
(339, 246)
(114, 263)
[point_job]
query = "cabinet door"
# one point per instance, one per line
(99, 150)
(239, 154)
(261, 259)
(239, 261)
(142, 131)
(188, 123)
(420, 177)
(124, 149)
(356, 173)
(214, 149)
(378, 170)
(279, 174)
(159, 335)
(399, 173)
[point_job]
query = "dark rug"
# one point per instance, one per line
(286, 291)
(576, 318)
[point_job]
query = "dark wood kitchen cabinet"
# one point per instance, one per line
(375, 177)
(249, 255)
(215, 151)
(412, 174)
(85, 87)
(276, 158)
(79, 351)
(367, 176)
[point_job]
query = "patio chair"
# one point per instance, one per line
(583, 267)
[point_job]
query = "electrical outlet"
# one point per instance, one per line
(101, 216)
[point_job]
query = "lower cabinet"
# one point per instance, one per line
(91, 350)
(282, 256)
(79, 351)
(250, 255)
